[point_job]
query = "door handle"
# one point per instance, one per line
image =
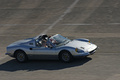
(31, 48)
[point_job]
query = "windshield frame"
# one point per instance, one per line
(60, 40)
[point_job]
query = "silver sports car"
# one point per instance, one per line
(50, 47)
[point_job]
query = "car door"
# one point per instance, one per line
(44, 53)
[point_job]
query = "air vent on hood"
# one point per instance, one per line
(82, 47)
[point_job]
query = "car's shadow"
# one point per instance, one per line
(33, 65)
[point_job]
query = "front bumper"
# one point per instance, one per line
(82, 54)
(86, 53)
(93, 51)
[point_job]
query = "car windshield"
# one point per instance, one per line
(59, 40)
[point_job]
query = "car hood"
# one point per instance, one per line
(86, 46)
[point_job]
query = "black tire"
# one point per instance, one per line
(21, 56)
(65, 56)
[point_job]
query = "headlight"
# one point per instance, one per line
(76, 49)
(89, 41)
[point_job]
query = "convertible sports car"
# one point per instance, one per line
(50, 47)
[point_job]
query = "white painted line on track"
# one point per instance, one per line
(24, 24)
(77, 24)
(43, 24)
(61, 17)
(113, 23)
(82, 24)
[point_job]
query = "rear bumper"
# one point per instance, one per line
(9, 54)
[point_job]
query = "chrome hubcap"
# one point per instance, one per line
(65, 57)
(20, 56)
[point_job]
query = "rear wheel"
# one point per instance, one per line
(21, 56)
(65, 56)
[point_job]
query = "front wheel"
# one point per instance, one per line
(65, 56)
(21, 56)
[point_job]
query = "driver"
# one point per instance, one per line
(44, 40)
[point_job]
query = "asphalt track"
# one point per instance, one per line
(97, 20)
